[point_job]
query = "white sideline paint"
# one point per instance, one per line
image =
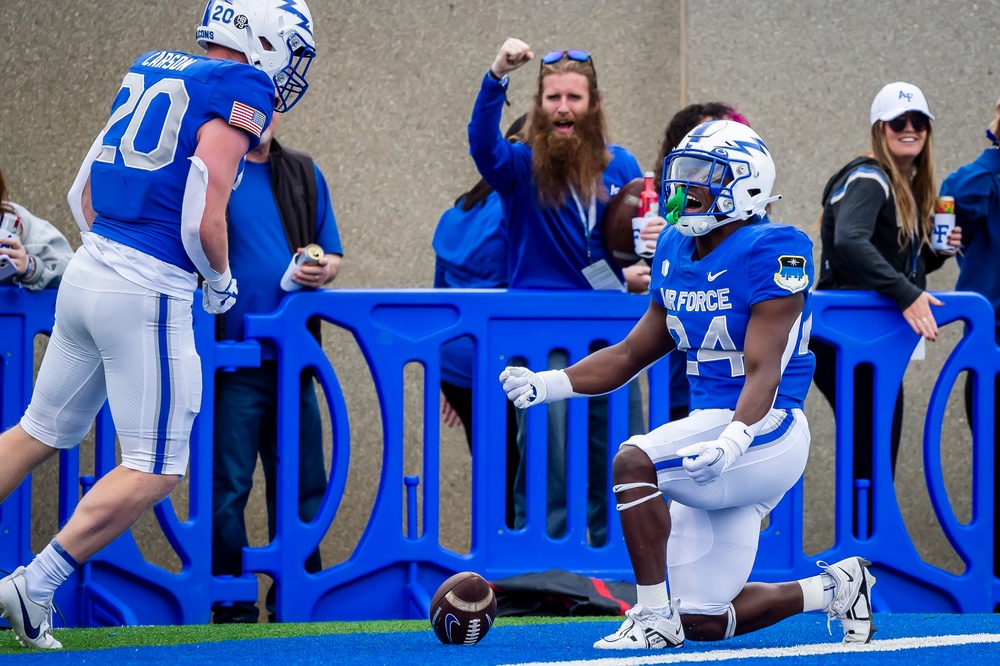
(680, 657)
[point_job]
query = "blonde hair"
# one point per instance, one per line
(914, 192)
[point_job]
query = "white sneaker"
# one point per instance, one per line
(852, 603)
(645, 630)
(31, 621)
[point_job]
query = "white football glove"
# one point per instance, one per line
(526, 388)
(219, 295)
(704, 462)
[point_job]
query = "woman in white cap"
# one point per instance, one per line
(875, 230)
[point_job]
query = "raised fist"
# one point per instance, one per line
(511, 55)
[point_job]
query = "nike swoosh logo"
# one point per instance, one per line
(712, 276)
(449, 622)
(30, 630)
(850, 578)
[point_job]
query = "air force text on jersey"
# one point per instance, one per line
(696, 301)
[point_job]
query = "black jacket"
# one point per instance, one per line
(860, 243)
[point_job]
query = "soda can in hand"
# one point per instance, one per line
(944, 222)
(311, 254)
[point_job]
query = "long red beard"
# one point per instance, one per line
(576, 161)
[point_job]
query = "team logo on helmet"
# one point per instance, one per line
(791, 274)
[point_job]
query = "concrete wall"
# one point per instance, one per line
(386, 117)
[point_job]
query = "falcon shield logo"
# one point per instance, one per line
(791, 274)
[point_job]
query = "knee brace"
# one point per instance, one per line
(629, 486)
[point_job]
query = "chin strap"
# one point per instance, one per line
(993, 138)
(761, 206)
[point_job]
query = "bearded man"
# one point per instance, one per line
(554, 188)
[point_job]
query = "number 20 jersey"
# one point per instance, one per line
(138, 180)
(708, 303)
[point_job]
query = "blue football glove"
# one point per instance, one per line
(219, 295)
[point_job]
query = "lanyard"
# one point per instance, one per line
(588, 220)
(914, 239)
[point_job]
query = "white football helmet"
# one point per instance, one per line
(729, 160)
(275, 35)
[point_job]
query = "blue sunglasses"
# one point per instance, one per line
(553, 57)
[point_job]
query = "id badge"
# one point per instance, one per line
(600, 276)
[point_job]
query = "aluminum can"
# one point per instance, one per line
(945, 205)
(311, 254)
(944, 222)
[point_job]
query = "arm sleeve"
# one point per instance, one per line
(492, 153)
(50, 249)
(854, 225)
(75, 195)
(192, 210)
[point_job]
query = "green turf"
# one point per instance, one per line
(113, 637)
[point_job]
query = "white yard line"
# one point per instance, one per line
(682, 657)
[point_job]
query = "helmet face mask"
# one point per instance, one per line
(274, 35)
(724, 172)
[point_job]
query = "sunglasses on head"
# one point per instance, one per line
(919, 121)
(553, 57)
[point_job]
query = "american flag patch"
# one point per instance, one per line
(248, 118)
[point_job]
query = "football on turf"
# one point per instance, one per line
(618, 216)
(463, 609)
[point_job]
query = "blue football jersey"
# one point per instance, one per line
(137, 182)
(708, 304)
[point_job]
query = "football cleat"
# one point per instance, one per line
(645, 629)
(31, 621)
(852, 603)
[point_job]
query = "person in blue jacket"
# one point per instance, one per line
(976, 189)
(554, 188)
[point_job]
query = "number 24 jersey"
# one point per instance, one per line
(709, 300)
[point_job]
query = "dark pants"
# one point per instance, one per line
(460, 398)
(864, 391)
(246, 425)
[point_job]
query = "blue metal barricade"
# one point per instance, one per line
(394, 567)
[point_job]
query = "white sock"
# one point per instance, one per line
(47, 571)
(817, 592)
(653, 596)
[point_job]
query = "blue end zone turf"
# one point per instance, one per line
(802, 640)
